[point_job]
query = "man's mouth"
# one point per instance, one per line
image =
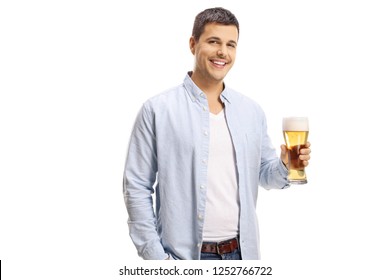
(218, 63)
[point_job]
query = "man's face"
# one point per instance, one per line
(215, 52)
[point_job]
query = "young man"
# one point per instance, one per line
(204, 149)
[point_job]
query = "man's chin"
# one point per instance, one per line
(219, 77)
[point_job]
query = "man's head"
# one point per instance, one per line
(213, 44)
(213, 15)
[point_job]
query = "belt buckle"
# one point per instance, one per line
(227, 243)
(218, 252)
(219, 243)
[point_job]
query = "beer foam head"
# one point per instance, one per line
(296, 124)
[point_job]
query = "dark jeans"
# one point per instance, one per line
(235, 255)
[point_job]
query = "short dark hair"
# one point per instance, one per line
(213, 15)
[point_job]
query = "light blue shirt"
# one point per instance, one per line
(168, 153)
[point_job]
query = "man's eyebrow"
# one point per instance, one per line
(214, 38)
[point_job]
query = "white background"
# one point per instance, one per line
(73, 75)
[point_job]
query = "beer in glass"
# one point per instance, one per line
(295, 132)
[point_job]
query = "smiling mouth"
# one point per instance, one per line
(218, 63)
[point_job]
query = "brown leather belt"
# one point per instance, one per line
(223, 247)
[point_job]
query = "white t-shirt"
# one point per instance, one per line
(222, 206)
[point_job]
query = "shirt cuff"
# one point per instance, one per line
(284, 172)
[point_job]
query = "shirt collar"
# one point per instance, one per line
(195, 92)
(225, 95)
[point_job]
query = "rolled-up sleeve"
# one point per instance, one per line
(273, 173)
(138, 186)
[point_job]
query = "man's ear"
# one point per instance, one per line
(192, 44)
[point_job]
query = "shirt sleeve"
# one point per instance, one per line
(138, 187)
(273, 173)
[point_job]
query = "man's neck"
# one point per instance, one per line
(212, 89)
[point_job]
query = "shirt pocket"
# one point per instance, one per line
(253, 149)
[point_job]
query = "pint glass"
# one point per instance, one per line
(295, 132)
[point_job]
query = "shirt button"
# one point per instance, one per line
(205, 133)
(204, 161)
(200, 217)
(204, 108)
(198, 245)
(202, 187)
